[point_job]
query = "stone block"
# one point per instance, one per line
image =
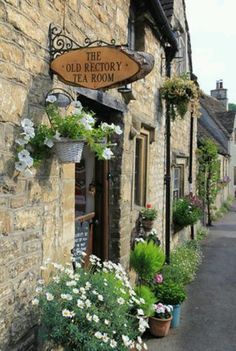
(6, 224)
(12, 105)
(15, 73)
(10, 248)
(10, 52)
(18, 201)
(28, 218)
(36, 65)
(32, 246)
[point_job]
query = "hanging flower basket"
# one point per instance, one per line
(69, 151)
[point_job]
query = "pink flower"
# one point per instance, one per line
(158, 278)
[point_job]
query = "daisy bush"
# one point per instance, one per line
(91, 309)
(35, 142)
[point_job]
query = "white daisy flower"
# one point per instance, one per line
(35, 301)
(120, 301)
(107, 153)
(95, 318)
(26, 122)
(20, 166)
(113, 343)
(49, 296)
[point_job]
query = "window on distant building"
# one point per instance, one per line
(141, 165)
(182, 54)
(234, 175)
(178, 182)
(235, 135)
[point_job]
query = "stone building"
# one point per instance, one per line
(38, 215)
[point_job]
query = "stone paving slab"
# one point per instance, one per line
(208, 320)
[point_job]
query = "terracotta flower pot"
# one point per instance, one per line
(147, 224)
(159, 327)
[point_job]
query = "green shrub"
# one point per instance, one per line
(202, 232)
(146, 259)
(170, 292)
(185, 261)
(145, 293)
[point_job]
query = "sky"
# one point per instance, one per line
(212, 25)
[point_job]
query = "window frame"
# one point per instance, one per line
(178, 192)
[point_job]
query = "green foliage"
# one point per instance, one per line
(149, 213)
(232, 107)
(146, 259)
(80, 311)
(179, 92)
(202, 233)
(185, 261)
(208, 174)
(145, 293)
(185, 213)
(170, 292)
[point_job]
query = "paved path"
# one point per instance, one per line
(208, 321)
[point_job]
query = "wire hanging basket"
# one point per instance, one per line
(69, 151)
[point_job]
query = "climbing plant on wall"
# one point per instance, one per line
(208, 175)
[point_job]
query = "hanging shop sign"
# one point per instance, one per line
(96, 67)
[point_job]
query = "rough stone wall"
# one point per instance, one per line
(36, 215)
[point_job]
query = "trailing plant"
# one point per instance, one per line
(91, 310)
(186, 212)
(146, 259)
(202, 233)
(145, 293)
(35, 142)
(185, 261)
(181, 93)
(208, 175)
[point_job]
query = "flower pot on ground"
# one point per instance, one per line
(176, 316)
(171, 293)
(160, 322)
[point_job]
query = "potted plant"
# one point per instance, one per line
(160, 322)
(148, 215)
(66, 133)
(146, 259)
(186, 211)
(146, 295)
(90, 309)
(171, 293)
(180, 92)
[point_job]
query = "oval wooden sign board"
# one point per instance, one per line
(95, 67)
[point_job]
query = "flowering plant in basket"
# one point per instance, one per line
(35, 142)
(93, 309)
(149, 213)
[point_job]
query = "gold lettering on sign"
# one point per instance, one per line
(95, 68)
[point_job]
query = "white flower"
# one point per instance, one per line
(41, 281)
(68, 314)
(139, 347)
(87, 286)
(95, 318)
(56, 279)
(29, 132)
(127, 342)
(107, 153)
(51, 99)
(57, 136)
(35, 301)
(39, 289)
(107, 322)
(83, 297)
(89, 317)
(67, 297)
(71, 283)
(24, 156)
(143, 325)
(80, 303)
(145, 346)
(105, 126)
(120, 301)
(26, 122)
(49, 297)
(94, 292)
(75, 291)
(140, 312)
(77, 105)
(118, 130)
(98, 335)
(105, 338)
(20, 166)
(113, 343)
(100, 297)
(43, 268)
(48, 142)
(82, 290)
(88, 303)
(21, 141)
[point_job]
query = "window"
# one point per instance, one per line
(235, 136)
(178, 182)
(234, 175)
(140, 173)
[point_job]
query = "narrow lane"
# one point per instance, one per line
(208, 321)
